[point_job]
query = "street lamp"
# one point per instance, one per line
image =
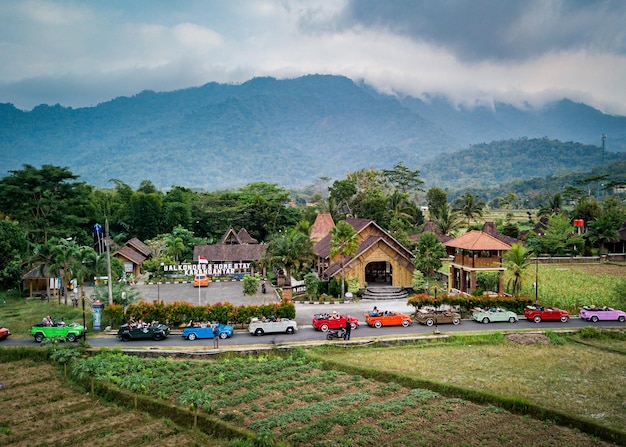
(84, 319)
(159, 283)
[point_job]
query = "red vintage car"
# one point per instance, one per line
(387, 318)
(4, 333)
(540, 313)
(325, 321)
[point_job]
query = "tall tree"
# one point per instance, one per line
(344, 243)
(403, 179)
(13, 247)
(516, 262)
(559, 239)
(446, 220)
(469, 205)
(47, 202)
(428, 253)
(289, 250)
(436, 198)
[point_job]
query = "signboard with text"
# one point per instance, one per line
(212, 269)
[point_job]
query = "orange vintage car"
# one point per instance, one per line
(387, 318)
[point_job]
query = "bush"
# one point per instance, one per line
(114, 314)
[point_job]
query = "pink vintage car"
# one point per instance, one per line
(595, 314)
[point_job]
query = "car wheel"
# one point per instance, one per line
(290, 330)
(621, 318)
(126, 337)
(456, 321)
(258, 332)
(329, 336)
(378, 324)
(537, 319)
(353, 326)
(39, 337)
(324, 327)
(486, 320)
(430, 322)
(71, 337)
(594, 319)
(564, 319)
(158, 337)
(512, 320)
(191, 336)
(223, 335)
(406, 323)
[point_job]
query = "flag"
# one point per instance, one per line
(202, 260)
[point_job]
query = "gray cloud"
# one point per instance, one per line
(500, 29)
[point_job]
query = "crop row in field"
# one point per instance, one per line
(302, 403)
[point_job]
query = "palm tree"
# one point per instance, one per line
(63, 255)
(174, 246)
(446, 220)
(469, 206)
(84, 266)
(516, 261)
(428, 254)
(554, 206)
(399, 207)
(344, 243)
(289, 250)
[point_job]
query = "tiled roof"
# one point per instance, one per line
(227, 252)
(432, 227)
(37, 272)
(477, 240)
(321, 227)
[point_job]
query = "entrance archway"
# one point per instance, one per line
(379, 273)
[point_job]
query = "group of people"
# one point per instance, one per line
(47, 321)
(138, 323)
(327, 316)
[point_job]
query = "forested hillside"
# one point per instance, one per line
(292, 132)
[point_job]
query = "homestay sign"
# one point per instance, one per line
(213, 269)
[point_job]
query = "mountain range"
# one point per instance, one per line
(292, 132)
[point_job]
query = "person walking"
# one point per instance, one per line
(346, 334)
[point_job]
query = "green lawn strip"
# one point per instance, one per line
(512, 404)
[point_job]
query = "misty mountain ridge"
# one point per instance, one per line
(292, 132)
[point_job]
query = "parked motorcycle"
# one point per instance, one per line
(335, 333)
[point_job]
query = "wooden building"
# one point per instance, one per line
(379, 260)
(475, 251)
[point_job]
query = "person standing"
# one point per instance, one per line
(216, 336)
(346, 334)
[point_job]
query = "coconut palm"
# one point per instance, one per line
(446, 220)
(344, 242)
(428, 253)
(516, 260)
(469, 206)
(289, 250)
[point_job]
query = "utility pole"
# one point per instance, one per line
(602, 172)
(107, 243)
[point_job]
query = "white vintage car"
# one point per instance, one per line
(276, 325)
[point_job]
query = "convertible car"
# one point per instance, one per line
(430, 317)
(387, 318)
(154, 331)
(206, 331)
(4, 333)
(595, 314)
(274, 325)
(323, 322)
(493, 314)
(70, 332)
(540, 313)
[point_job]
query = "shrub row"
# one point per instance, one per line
(180, 312)
(512, 303)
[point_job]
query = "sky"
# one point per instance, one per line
(475, 52)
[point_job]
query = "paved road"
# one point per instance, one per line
(232, 292)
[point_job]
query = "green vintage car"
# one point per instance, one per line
(70, 332)
(493, 315)
(154, 331)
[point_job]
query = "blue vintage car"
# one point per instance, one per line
(206, 331)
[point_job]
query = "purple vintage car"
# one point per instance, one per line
(592, 313)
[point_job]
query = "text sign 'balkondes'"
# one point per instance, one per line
(216, 268)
